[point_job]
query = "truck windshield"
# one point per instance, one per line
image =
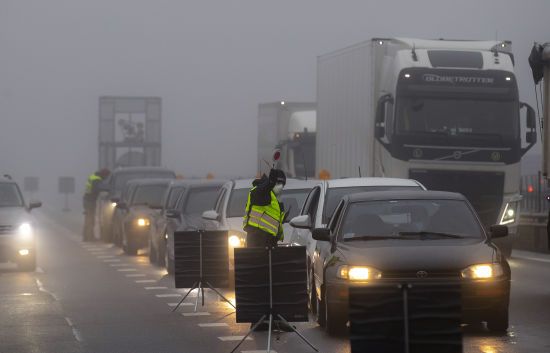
(456, 118)
(10, 196)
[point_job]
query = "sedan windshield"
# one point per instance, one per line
(10, 195)
(201, 199)
(123, 178)
(410, 219)
(149, 195)
(292, 199)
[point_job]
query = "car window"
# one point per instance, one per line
(148, 194)
(334, 195)
(200, 200)
(407, 218)
(10, 195)
(237, 202)
(293, 199)
(173, 196)
(310, 205)
(219, 201)
(334, 219)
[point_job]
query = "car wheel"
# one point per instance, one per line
(312, 296)
(498, 321)
(335, 322)
(27, 263)
(320, 309)
(152, 254)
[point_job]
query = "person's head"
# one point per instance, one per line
(280, 183)
(103, 173)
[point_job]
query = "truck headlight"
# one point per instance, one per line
(25, 231)
(510, 213)
(143, 222)
(358, 273)
(483, 271)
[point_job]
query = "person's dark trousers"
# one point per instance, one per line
(257, 238)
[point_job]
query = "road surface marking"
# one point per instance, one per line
(155, 288)
(119, 265)
(146, 281)
(76, 333)
(233, 338)
(111, 260)
(126, 270)
(198, 313)
(182, 304)
(538, 259)
(262, 351)
(105, 257)
(168, 295)
(136, 275)
(214, 324)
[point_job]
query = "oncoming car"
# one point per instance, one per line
(17, 234)
(392, 236)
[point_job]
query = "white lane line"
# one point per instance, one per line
(136, 275)
(214, 324)
(198, 313)
(155, 288)
(105, 257)
(538, 259)
(112, 260)
(69, 322)
(233, 338)
(182, 304)
(119, 265)
(146, 281)
(42, 289)
(168, 295)
(126, 270)
(76, 333)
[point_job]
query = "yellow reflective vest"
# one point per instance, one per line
(268, 218)
(90, 183)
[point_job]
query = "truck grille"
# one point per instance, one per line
(5, 229)
(484, 190)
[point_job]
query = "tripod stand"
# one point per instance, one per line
(271, 315)
(201, 282)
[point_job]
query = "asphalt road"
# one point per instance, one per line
(90, 297)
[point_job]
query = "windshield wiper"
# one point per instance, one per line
(425, 232)
(371, 237)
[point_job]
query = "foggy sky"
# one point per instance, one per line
(211, 62)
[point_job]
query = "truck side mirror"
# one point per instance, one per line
(531, 124)
(380, 125)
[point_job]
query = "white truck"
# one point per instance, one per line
(443, 112)
(289, 126)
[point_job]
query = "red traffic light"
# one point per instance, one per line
(530, 188)
(276, 155)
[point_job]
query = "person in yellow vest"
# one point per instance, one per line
(89, 201)
(264, 214)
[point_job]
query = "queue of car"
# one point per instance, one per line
(357, 231)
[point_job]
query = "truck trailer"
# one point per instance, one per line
(290, 127)
(443, 112)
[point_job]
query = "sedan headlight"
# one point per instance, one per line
(510, 213)
(358, 273)
(142, 222)
(483, 271)
(236, 240)
(25, 231)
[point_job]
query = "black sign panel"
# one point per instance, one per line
(196, 249)
(377, 317)
(66, 185)
(289, 277)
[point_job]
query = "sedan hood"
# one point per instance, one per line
(13, 216)
(406, 255)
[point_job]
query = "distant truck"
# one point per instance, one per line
(291, 127)
(443, 112)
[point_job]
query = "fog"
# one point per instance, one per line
(210, 62)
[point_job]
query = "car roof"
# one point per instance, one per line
(194, 183)
(404, 195)
(155, 181)
(122, 170)
(5, 180)
(291, 184)
(372, 181)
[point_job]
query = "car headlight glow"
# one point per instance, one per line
(143, 222)
(358, 273)
(113, 204)
(25, 231)
(510, 211)
(236, 239)
(483, 271)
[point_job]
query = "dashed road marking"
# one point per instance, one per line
(146, 281)
(155, 288)
(214, 324)
(198, 313)
(105, 257)
(119, 265)
(126, 270)
(233, 338)
(135, 275)
(112, 260)
(180, 304)
(170, 295)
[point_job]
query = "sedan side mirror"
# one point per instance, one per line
(321, 234)
(173, 213)
(34, 204)
(211, 215)
(301, 222)
(498, 231)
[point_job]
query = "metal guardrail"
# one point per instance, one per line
(534, 190)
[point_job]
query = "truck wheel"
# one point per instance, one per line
(335, 322)
(27, 263)
(498, 321)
